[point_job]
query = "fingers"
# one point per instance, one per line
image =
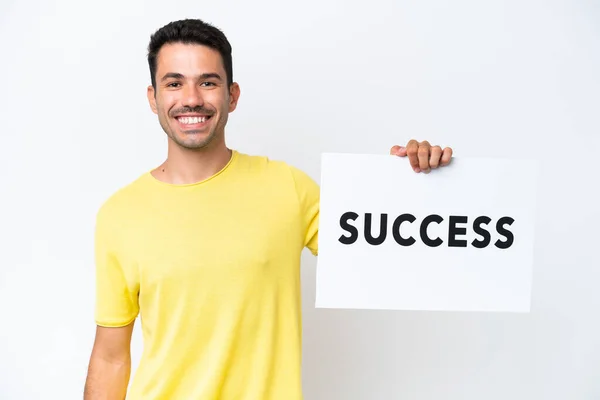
(446, 156)
(435, 157)
(424, 157)
(412, 149)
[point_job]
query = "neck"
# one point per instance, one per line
(185, 166)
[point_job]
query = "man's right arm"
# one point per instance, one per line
(110, 364)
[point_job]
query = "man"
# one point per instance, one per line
(206, 247)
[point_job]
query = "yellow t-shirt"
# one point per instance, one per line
(213, 270)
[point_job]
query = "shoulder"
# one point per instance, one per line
(121, 202)
(267, 167)
(282, 180)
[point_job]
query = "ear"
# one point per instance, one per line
(234, 95)
(152, 99)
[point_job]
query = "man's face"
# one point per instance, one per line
(192, 98)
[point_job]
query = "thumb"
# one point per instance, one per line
(398, 151)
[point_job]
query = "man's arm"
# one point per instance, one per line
(110, 364)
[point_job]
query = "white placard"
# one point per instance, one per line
(460, 264)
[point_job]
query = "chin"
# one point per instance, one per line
(199, 141)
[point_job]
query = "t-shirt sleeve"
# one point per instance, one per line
(308, 192)
(116, 292)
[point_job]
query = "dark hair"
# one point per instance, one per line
(190, 31)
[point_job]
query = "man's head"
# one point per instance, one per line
(192, 89)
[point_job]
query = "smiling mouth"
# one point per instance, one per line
(195, 120)
(193, 123)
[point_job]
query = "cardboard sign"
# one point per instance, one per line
(458, 239)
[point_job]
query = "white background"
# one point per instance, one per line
(490, 78)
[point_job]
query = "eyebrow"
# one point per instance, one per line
(176, 75)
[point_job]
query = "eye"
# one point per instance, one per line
(207, 84)
(172, 84)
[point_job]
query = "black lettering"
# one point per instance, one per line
(396, 230)
(456, 229)
(349, 228)
(505, 232)
(480, 244)
(453, 231)
(424, 224)
(382, 230)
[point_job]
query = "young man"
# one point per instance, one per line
(206, 247)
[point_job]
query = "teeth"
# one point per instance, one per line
(192, 120)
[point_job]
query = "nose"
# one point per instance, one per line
(192, 96)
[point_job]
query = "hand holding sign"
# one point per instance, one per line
(423, 157)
